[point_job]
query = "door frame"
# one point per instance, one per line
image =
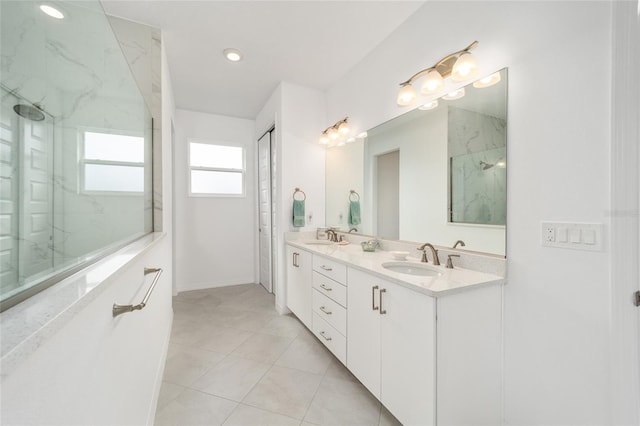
(272, 285)
(625, 214)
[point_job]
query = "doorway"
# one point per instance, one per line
(387, 197)
(266, 209)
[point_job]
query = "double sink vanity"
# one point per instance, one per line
(424, 339)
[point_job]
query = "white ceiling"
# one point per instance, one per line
(305, 42)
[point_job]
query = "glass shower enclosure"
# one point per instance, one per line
(75, 145)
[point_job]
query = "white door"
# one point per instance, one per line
(36, 226)
(264, 211)
(9, 198)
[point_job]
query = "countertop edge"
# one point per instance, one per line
(408, 285)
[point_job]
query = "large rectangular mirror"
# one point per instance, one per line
(435, 174)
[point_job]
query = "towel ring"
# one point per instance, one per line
(304, 196)
(352, 194)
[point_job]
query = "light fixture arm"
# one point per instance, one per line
(337, 125)
(443, 66)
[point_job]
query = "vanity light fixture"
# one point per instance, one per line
(332, 133)
(456, 94)
(429, 105)
(460, 66)
(488, 81)
(232, 55)
(51, 11)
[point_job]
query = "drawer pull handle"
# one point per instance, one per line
(325, 287)
(325, 268)
(325, 336)
(382, 311)
(373, 298)
(322, 308)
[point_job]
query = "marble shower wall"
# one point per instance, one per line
(477, 155)
(75, 70)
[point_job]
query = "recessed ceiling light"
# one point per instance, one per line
(429, 105)
(51, 11)
(233, 55)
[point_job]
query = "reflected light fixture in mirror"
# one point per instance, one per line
(460, 66)
(487, 81)
(429, 105)
(456, 94)
(51, 11)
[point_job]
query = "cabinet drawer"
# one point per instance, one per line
(330, 311)
(330, 268)
(330, 337)
(330, 288)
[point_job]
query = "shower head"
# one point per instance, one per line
(486, 166)
(29, 112)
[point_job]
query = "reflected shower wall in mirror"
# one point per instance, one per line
(451, 174)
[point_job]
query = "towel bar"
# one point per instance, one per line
(121, 309)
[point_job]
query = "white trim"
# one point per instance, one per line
(191, 168)
(625, 194)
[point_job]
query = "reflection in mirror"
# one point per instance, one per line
(431, 175)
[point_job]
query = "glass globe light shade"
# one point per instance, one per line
(433, 82)
(406, 95)
(465, 68)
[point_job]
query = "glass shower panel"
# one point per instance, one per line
(75, 145)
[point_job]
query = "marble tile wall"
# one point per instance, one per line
(477, 152)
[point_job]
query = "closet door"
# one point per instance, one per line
(264, 208)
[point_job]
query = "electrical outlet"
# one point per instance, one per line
(310, 218)
(549, 233)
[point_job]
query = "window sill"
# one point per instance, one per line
(26, 326)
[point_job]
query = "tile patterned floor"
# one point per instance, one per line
(234, 361)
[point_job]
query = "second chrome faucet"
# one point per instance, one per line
(434, 254)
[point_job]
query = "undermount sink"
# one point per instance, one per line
(412, 269)
(317, 242)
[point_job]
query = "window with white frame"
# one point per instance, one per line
(216, 170)
(112, 162)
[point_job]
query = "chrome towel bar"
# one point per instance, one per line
(121, 309)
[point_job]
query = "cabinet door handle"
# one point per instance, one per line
(322, 308)
(325, 268)
(373, 298)
(325, 287)
(325, 336)
(382, 310)
(295, 260)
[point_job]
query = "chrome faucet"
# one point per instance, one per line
(459, 242)
(353, 230)
(434, 253)
(333, 236)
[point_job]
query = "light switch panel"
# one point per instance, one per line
(578, 236)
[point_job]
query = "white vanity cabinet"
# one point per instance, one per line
(299, 282)
(391, 345)
(329, 305)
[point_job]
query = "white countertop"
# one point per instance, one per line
(450, 281)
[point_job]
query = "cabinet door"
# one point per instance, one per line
(407, 333)
(299, 264)
(363, 329)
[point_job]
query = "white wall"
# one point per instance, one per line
(556, 367)
(214, 236)
(299, 114)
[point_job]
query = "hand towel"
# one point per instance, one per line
(354, 212)
(298, 213)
